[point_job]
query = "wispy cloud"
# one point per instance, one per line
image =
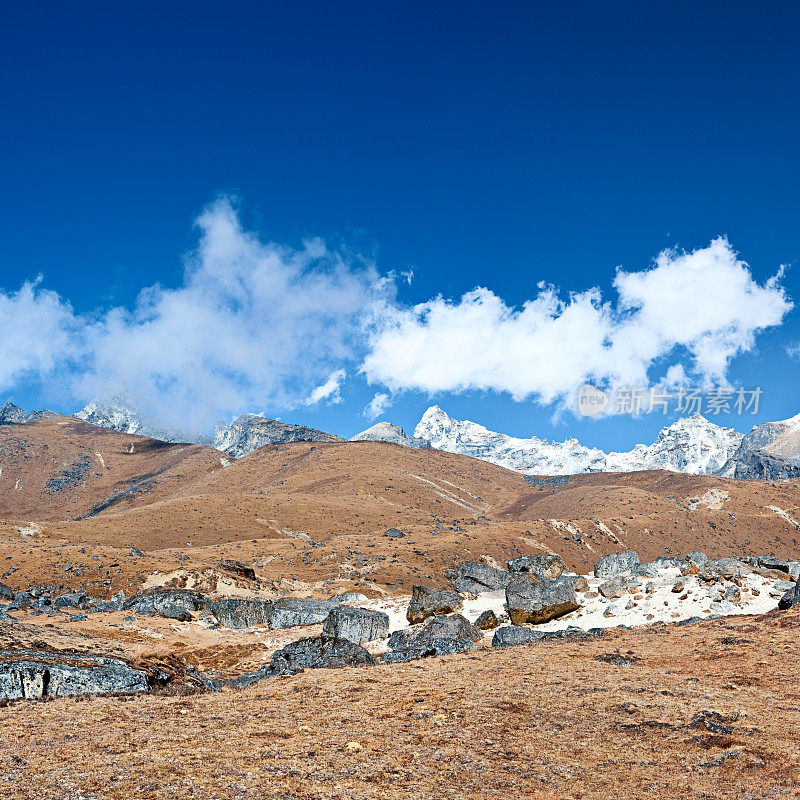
(379, 403)
(328, 391)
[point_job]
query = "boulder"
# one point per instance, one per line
(71, 600)
(237, 613)
(733, 594)
(312, 652)
(238, 568)
(551, 566)
(167, 603)
(427, 602)
(790, 598)
(290, 611)
(356, 624)
(6, 593)
(537, 599)
(697, 558)
(393, 533)
(319, 652)
(351, 597)
(510, 635)
(617, 587)
(438, 636)
(477, 578)
(580, 583)
(487, 621)
(617, 564)
(33, 674)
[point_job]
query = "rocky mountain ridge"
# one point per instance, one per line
(692, 445)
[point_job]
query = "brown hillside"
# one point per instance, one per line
(314, 515)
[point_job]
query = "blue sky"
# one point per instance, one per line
(499, 145)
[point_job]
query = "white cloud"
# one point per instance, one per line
(330, 390)
(39, 334)
(704, 302)
(258, 326)
(253, 326)
(793, 350)
(379, 403)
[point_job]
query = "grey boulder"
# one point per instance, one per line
(487, 621)
(790, 598)
(550, 565)
(290, 611)
(33, 674)
(475, 577)
(440, 635)
(356, 624)
(537, 599)
(511, 635)
(427, 602)
(312, 652)
(172, 603)
(238, 613)
(617, 564)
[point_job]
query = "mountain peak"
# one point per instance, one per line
(691, 444)
(387, 432)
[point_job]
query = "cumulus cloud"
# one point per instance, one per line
(328, 391)
(705, 302)
(379, 403)
(253, 326)
(257, 326)
(39, 334)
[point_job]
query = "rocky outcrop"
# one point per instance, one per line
(475, 577)
(427, 602)
(6, 593)
(438, 636)
(615, 564)
(249, 432)
(770, 451)
(537, 599)
(14, 415)
(34, 674)
(550, 565)
(357, 625)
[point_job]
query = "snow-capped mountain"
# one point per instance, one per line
(386, 432)
(249, 432)
(14, 415)
(692, 445)
(533, 456)
(119, 412)
(770, 451)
